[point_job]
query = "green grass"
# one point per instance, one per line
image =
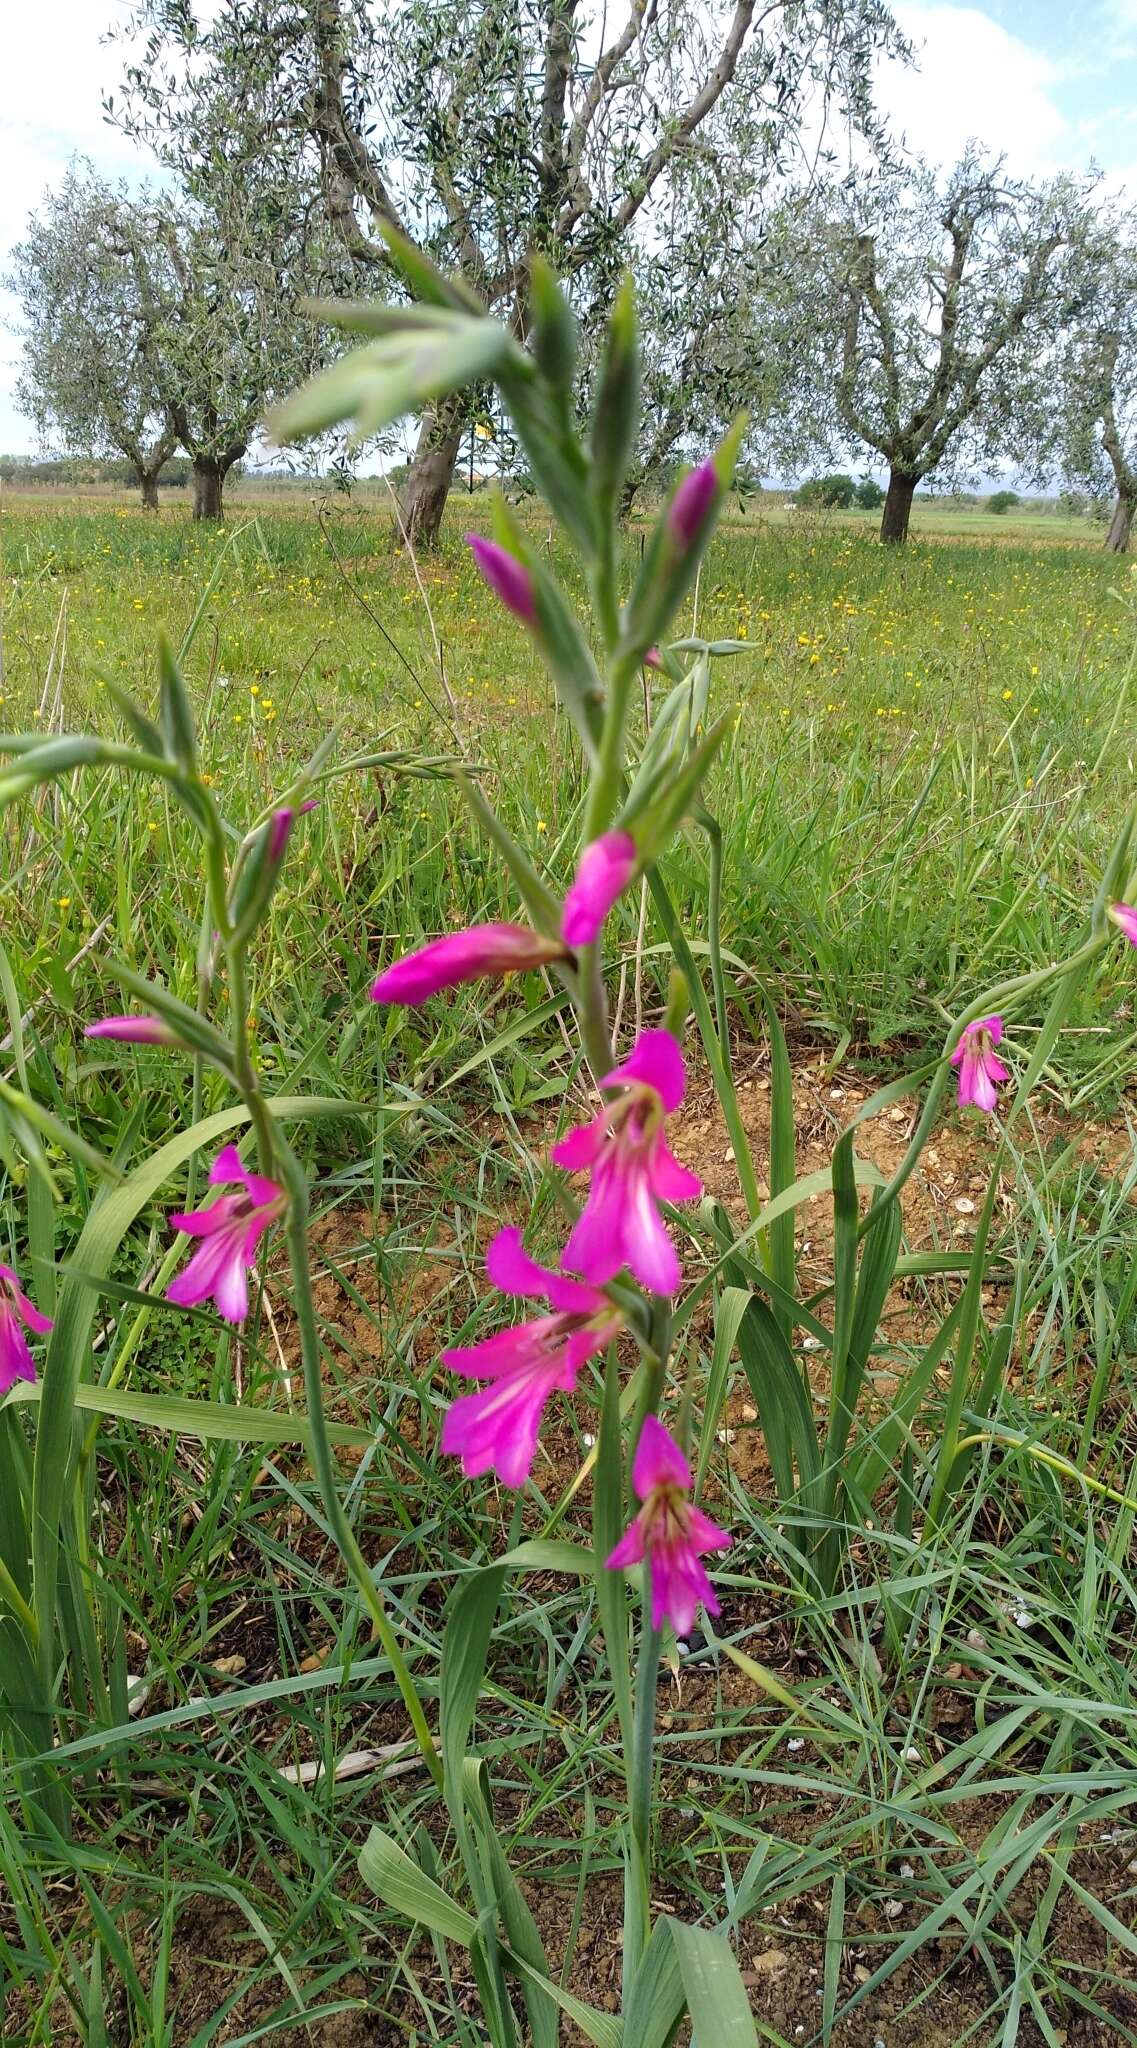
(931, 757)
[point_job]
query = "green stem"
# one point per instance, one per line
(592, 1012)
(643, 1733)
(713, 830)
(327, 1472)
(606, 780)
(10, 1592)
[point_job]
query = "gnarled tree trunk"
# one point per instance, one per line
(208, 478)
(1120, 526)
(149, 482)
(431, 473)
(897, 507)
(209, 474)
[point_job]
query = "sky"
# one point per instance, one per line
(1052, 85)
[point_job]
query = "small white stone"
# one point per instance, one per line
(811, 1343)
(893, 1908)
(912, 1756)
(588, 1439)
(976, 1640)
(906, 1870)
(795, 1743)
(964, 1204)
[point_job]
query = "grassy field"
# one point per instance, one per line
(930, 757)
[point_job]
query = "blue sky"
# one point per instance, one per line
(1053, 85)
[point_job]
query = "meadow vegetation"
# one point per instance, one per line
(925, 1775)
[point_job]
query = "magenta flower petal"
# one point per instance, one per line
(15, 1358)
(230, 1230)
(606, 867)
(1124, 916)
(582, 1147)
(632, 1171)
(496, 1429)
(463, 956)
(658, 1460)
(648, 1250)
(506, 576)
(979, 1068)
(630, 1549)
(707, 1534)
(17, 1313)
(657, 1059)
(597, 1245)
(679, 1584)
(511, 1270)
(692, 503)
(138, 1030)
(671, 1180)
(673, 1535)
(29, 1315)
(228, 1166)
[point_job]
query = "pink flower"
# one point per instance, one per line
(670, 1532)
(653, 658)
(505, 575)
(17, 1315)
(280, 825)
(632, 1170)
(690, 507)
(496, 1428)
(1124, 916)
(606, 867)
(463, 956)
(139, 1030)
(232, 1228)
(978, 1067)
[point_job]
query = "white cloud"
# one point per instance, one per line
(56, 68)
(974, 80)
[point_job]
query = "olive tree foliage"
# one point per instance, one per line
(156, 320)
(483, 130)
(238, 337)
(937, 299)
(1093, 438)
(94, 298)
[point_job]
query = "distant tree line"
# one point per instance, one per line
(862, 306)
(177, 473)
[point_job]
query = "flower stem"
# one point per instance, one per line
(643, 1735)
(327, 1472)
(602, 797)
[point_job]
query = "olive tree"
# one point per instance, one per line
(936, 299)
(92, 290)
(482, 130)
(1093, 419)
(157, 320)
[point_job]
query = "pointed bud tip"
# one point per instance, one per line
(138, 1030)
(508, 578)
(692, 503)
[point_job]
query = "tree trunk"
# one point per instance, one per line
(208, 477)
(149, 492)
(1117, 539)
(430, 475)
(897, 507)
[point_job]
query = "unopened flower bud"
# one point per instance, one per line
(508, 577)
